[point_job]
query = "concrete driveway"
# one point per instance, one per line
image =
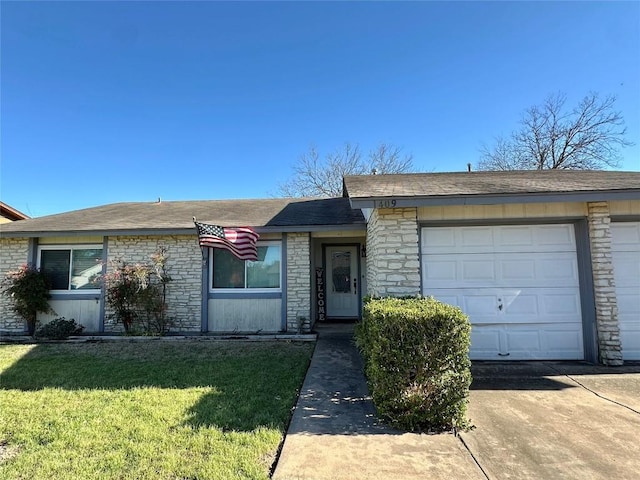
(555, 420)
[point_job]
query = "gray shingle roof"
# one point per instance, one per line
(304, 214)
(269, 214)
(488, 183)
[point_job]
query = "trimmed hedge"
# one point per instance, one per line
(416, 353)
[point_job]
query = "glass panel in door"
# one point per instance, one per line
(342, 279)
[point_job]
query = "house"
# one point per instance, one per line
(546, 263)
(296, 237)
(10, 214)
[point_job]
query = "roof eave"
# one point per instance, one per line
(361, 226)
(492, 199)
(174, 231)
(11, 213)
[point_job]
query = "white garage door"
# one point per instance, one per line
(518, 284)
(625, 251)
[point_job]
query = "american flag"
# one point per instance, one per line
(240, 241)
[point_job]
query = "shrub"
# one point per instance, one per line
(59, 329)
(416, 362)
(137, 294)
(28, 287)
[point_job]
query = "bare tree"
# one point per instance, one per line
(314, 176)
(588, 137)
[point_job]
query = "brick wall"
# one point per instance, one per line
(298, 280)
(393, 261)
(603, 284)
(184, 266)
(13, 253)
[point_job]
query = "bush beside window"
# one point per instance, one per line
(137, 294)
(28, 288)
(59, 329)
(416, 353)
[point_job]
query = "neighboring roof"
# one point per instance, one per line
(373, 191)
(277, 214)
(7, 211)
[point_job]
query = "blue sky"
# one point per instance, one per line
(107, 102)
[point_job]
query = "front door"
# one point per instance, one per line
(342, 282)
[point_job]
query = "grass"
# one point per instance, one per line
(146, 410)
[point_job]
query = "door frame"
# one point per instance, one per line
(359, 273)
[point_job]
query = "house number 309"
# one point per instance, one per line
(386, 203)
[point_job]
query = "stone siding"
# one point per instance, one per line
(184, 266)
(14, 252)
(372, 250)
(298, 280)
(603, 284)
(393, 260)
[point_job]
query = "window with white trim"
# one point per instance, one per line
(229, 273)
(72, 267)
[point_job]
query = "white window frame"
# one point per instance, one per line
(71, 247)
(241, 291)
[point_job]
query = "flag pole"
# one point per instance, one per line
(204, 259)
(204, 312)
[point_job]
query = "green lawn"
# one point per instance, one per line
(146, 410)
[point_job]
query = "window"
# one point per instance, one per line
(71, 268)
(230, 273)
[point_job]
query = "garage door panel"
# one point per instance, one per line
(625, 253)
(532, 238)
(474, 237)
(630, 337)
(523, 342)
(505, 270)
(625, 236)
(520, 306)
(526, 342)
(628, 304)
(475, 270)
(627, 269)
(542, 306)
(456, 239)
(481, 306)
(537, 268)
(485, 342)
(517, 269)
(565, 339)
(555, 238)
(561, 342)
(498, 239)
(440, 269)
(441, 239)
(516, 235)
(562, 267)
(561, 302)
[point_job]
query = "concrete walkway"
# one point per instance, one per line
(334, 432)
